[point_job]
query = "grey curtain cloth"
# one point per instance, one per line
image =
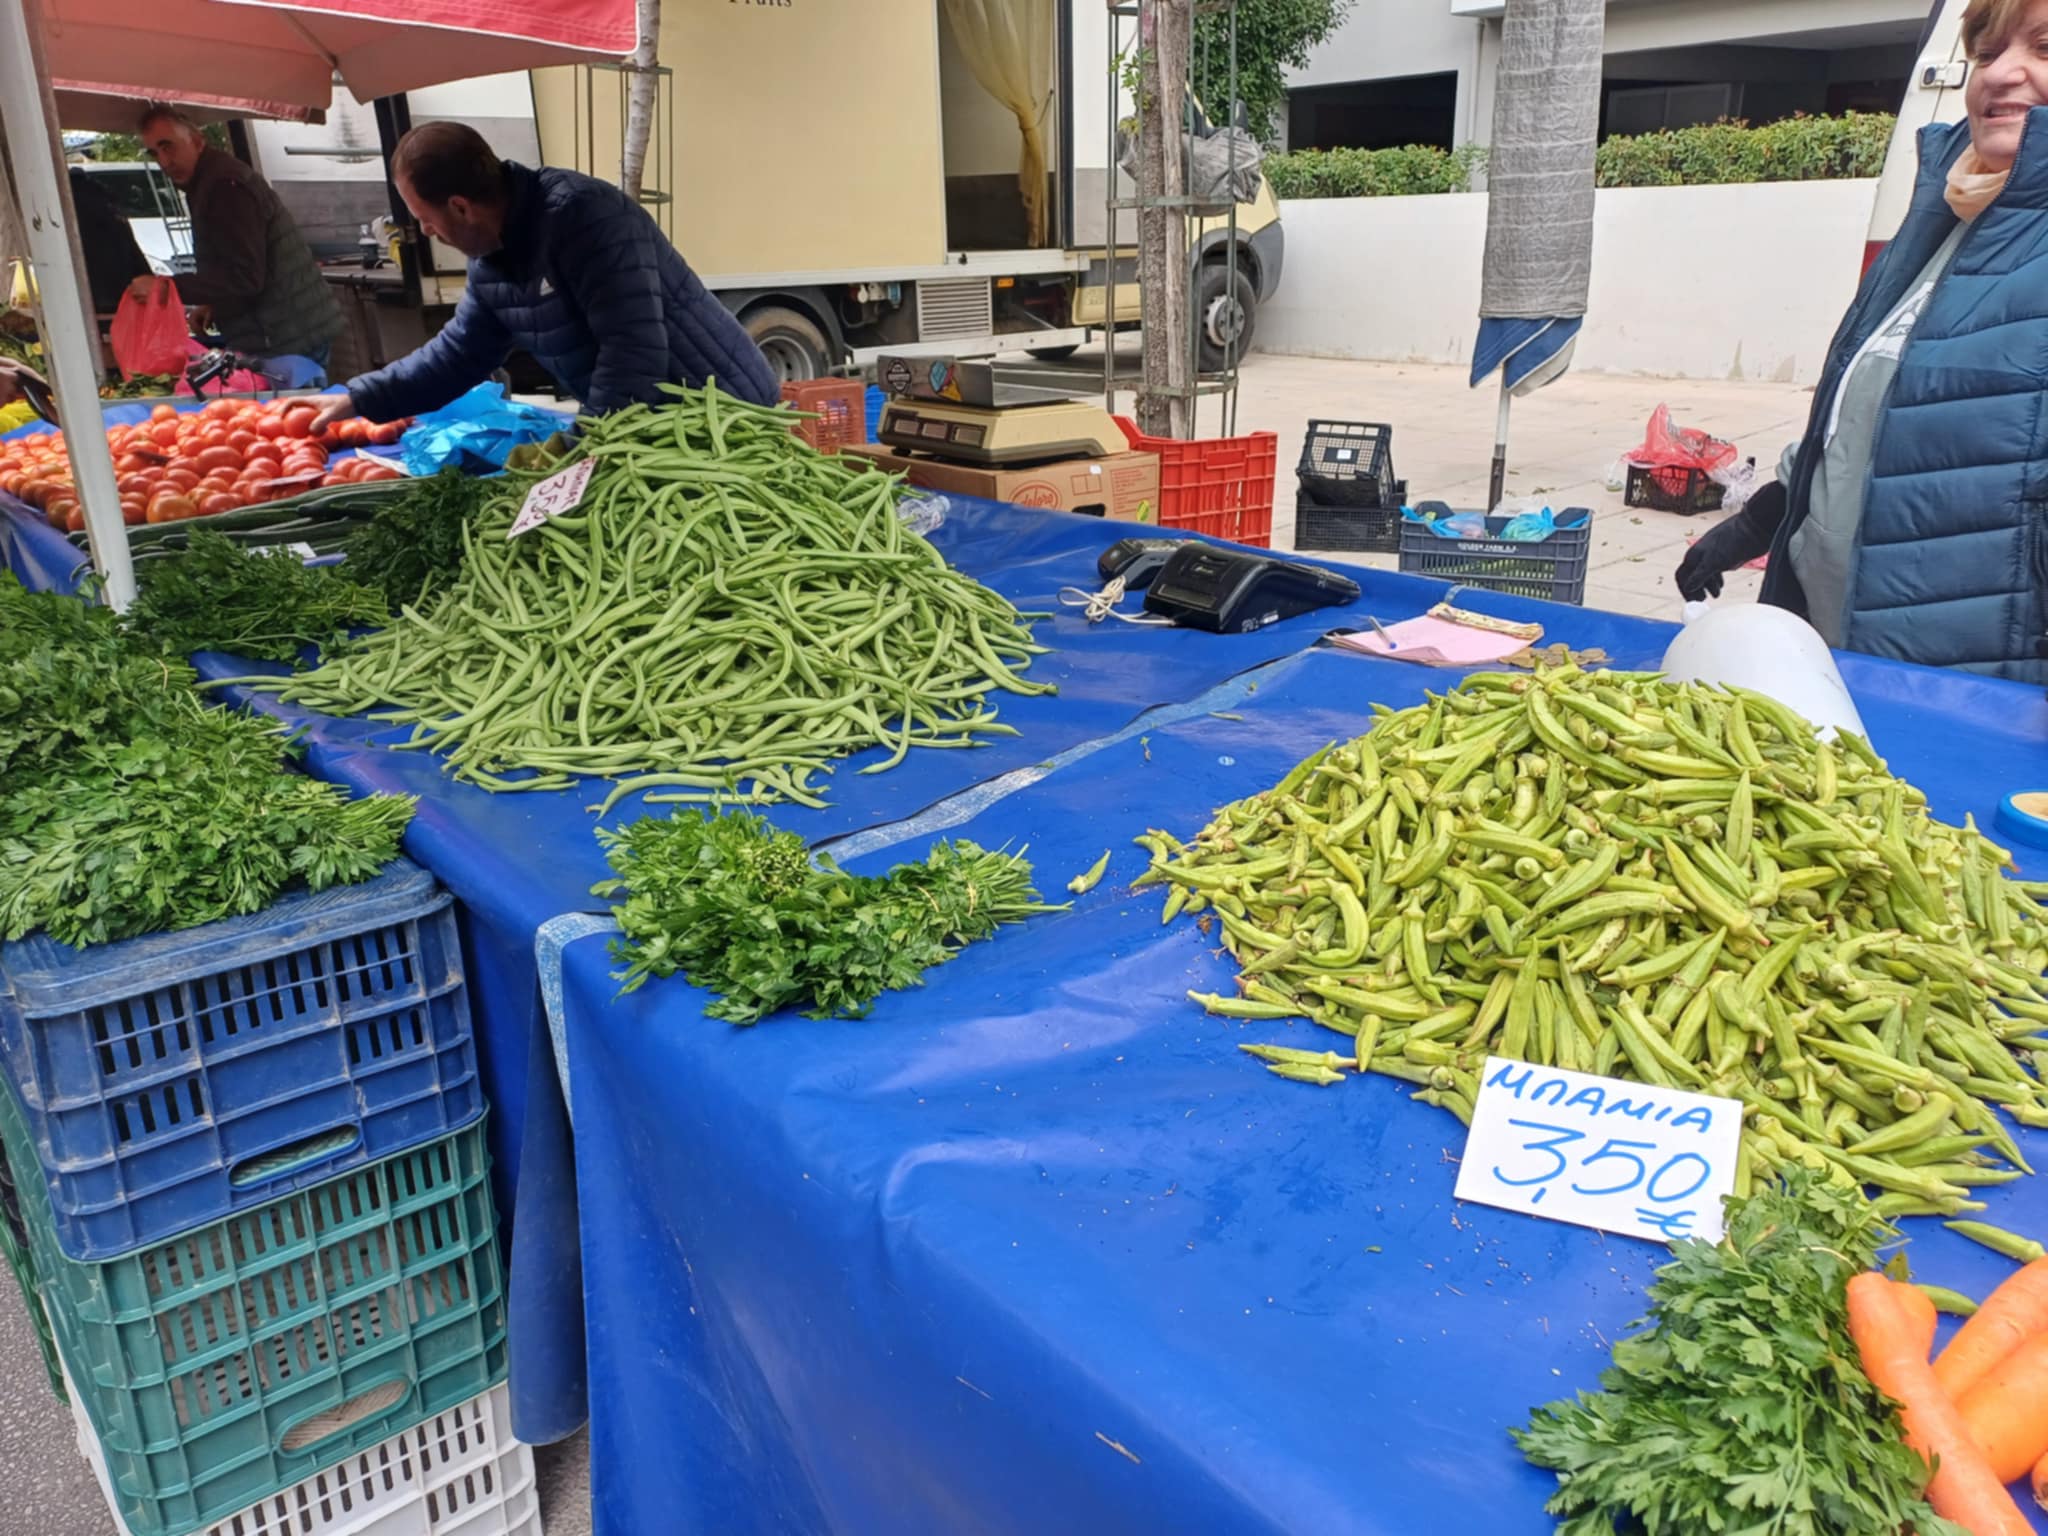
(1546, 116)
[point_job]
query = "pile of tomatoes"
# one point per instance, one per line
(226, 455)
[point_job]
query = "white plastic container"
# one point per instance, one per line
(1769, 651)
(458, 1474)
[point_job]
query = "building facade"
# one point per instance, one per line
(1421, 71)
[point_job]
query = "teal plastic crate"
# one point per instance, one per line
(223, 1365)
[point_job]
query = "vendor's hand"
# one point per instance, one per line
(333, 408)
(11, 374)
(1733, 541)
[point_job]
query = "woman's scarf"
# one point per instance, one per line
(1972, 185)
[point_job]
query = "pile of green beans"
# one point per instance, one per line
(724, 613)
(1677, 884)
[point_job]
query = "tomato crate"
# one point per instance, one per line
(839, 408)
(228, 1364)
(1219, 486)
(458, 1474)
(176, 1078)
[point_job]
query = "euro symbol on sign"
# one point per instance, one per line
(1673, 1224)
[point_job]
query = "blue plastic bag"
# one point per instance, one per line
(476, 432)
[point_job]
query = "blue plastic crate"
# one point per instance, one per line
(233, 1361)
(876, 399)
(174, 1079)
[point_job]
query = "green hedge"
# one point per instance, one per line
(1407, 172)
(1796, 149)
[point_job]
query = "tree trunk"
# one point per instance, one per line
(641, 81)
(1164, 29)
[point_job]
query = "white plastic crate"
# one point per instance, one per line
(458, 1474)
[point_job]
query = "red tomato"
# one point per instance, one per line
(169, 508)
(217, 458)
(219, 502)
(241, 439)
(220, 410)
(183, 479)
(378, 472)
(298, 423)
(266, 467)
(135, 484)
(389, 433)
(163, 413)
(270, 427)
(164, 432)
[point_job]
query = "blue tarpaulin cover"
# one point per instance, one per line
(1035, 1248)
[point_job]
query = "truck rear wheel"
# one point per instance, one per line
(792, 343)
(1226, 313)
(1052, 354)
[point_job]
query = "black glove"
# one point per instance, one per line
(1734, 541)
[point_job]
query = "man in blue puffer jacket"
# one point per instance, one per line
(564, 266)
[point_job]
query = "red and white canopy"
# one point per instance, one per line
(278, 58)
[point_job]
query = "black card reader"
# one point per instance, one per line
(1235, 591)
(1136, 560)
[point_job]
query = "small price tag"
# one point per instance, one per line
(553, 496)
(1597, 1152)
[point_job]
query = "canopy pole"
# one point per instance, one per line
(68, 344)
(1500, 445)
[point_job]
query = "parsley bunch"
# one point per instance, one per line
(415, 543)
(737, 908)
(1742, 1407)
(127, 804)
(216, 596)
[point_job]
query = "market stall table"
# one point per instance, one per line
(1035, 1247)
(516, 861)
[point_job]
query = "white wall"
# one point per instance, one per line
(1741, 282)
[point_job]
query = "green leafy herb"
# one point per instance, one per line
(216, 596)
(1741, 1408)
(127, 804)
(415, 544)
(738, 908)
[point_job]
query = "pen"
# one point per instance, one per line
(1381, 630)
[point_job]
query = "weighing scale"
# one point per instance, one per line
(960, 412)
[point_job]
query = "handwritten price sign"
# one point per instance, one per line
(1597, 1152)
(552, 497)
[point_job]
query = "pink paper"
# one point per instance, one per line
(1435, 643)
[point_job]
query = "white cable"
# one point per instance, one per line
(1102, 605)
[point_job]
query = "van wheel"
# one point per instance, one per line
(1052, 354)
(1227, 313)
(792, 343)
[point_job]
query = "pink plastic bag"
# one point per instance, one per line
(1667, 447)
(149, 335)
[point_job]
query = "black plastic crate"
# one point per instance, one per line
(1554, 570)
(1348, 464)
(1356, 530)
(1672, 488)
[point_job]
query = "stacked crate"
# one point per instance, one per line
(249, 1200)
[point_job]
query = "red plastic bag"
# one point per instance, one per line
(149, 335)
(1667, 447)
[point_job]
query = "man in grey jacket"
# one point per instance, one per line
(254, 270)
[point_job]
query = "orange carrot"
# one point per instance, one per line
(2041, 1482)
(1964, 1488)
(1918, 1309)
(2013, 1313)
(2007, 1411)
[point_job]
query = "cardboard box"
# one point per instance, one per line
(1123, 485)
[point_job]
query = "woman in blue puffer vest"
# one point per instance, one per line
(1909, 521)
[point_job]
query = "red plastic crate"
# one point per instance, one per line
(1221, 486)
(839, 408)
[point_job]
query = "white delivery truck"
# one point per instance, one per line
(844, 175)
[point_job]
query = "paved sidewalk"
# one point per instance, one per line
(1562, 441)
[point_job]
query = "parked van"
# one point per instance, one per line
(154, 208)
(1933, 95)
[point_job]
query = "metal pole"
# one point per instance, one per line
(69, 345)
(1500, 444)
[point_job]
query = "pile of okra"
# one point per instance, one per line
(1666, 882)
